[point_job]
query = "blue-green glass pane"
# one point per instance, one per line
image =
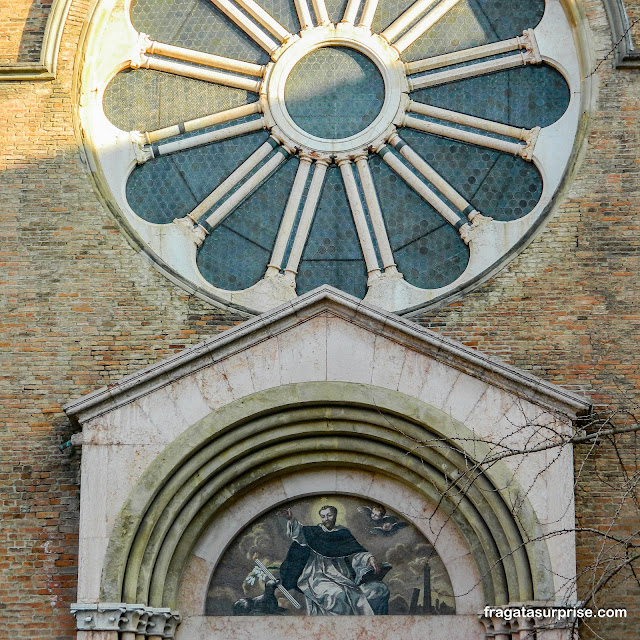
(538, 96)
(531, 96)
(144, 100)
(335, 9)
(387, 12)
(284, 11)
(195, 24)
(510, 190)
(428, 251)
(469, 23)
(171, 186)
(332, 254)
(464, 26)
(334, 92)
(236, 253)
(509, 18)
(475, 171)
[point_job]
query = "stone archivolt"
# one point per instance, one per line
(224, 456)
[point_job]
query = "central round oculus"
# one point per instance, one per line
(334, 92)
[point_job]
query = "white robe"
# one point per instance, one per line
(327, 584)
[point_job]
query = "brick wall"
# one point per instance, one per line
(81, 309)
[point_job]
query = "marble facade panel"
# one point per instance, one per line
(303, 351)
(350, 351)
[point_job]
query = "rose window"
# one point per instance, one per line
(400, 151)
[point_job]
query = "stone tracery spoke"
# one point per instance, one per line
(264, 18)
(525, 41)
(351, 10)
(525, 48)
(233, 179)
(406, 18)
(156, 150)
(459, 222)
(320, 10)
(304, 13)
(368, 12)
(446, 131)
(247, 188)
(196, 124)
(306, 218)
(464, 207)
(359, 218)
(424, 24)
(518, 133)
(289, 217)
(375, 214)
(197, 73)
(200, 57)
(257, 34)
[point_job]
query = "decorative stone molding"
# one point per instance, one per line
(626, 56)
(315, 302)
(45, 68)
(467, 231)
(140, 148)
(126, 618)
(531, 53)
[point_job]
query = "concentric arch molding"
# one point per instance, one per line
(481, 240)
(348, 426)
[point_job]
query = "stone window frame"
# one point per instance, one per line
(626, 55)
(45, 68)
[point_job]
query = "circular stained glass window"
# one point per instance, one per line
(400, 151)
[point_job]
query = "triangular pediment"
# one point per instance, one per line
(329, 335)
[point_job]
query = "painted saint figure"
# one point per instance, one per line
(336, 574)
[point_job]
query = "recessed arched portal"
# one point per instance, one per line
(308, 427)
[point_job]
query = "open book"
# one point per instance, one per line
(371, 576)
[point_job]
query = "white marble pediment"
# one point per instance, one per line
(325, 335)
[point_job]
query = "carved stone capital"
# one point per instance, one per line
(131, 618)
(495, 627)
(466, 233)
(195, 231)
(141, 149)
(529, 621)
(139, 58)
(530, 144)
(479, 220)
(531, 52)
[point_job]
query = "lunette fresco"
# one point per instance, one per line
(330, 555)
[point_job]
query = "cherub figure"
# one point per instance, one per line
(384, 525)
